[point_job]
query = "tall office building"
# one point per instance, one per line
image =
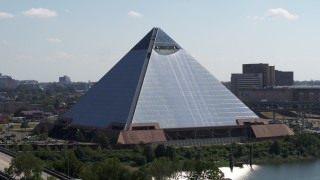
(157, 86)
(7, 81)
(267, 71)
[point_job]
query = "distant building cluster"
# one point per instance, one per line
(29, 83)
(259, 76)
(262, 83)
(7, 81)
(64, 80)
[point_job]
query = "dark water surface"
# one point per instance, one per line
(304, 169)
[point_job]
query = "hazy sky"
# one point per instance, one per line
(42, 39)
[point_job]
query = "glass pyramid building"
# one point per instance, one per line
(157, 81)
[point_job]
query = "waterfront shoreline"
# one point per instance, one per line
(294, 170)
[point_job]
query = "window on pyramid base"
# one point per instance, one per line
(143, 128)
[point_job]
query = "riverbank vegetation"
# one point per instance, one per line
(145, 161)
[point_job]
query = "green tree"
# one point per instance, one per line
(110, 169)
(72, 165)
(214, 172)
(196, 170)
(238, 150)
(102, 140)
(142, 174)
(275, 147)
(27, 147)
(26, 164)
(148, 152)
(43, 136)
(24, 124)
(48, 92)
(171, 152)
(137, 148)
(231, 162)
(162, 168)
(160, 150)
(139, 159)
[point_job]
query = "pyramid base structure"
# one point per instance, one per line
(257, 129)
(148, 133)
(151, 133)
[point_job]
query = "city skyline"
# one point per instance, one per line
(43, 40)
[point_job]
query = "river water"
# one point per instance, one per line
(299, 170)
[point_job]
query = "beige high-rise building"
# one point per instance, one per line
(267, 71)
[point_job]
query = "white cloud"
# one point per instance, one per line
(54, 40)
(275, 13)
(40, 12)
(135, 14)
(281, 13)
(4, 15)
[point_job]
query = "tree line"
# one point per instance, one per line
(144, 161)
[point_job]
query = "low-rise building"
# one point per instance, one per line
(32, 115)
(13, 106)
(281, 94)
(240, 81)
(284, 78)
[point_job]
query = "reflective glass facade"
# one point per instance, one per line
(178, 92)
(158, 81)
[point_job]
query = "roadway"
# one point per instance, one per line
(4, 161)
